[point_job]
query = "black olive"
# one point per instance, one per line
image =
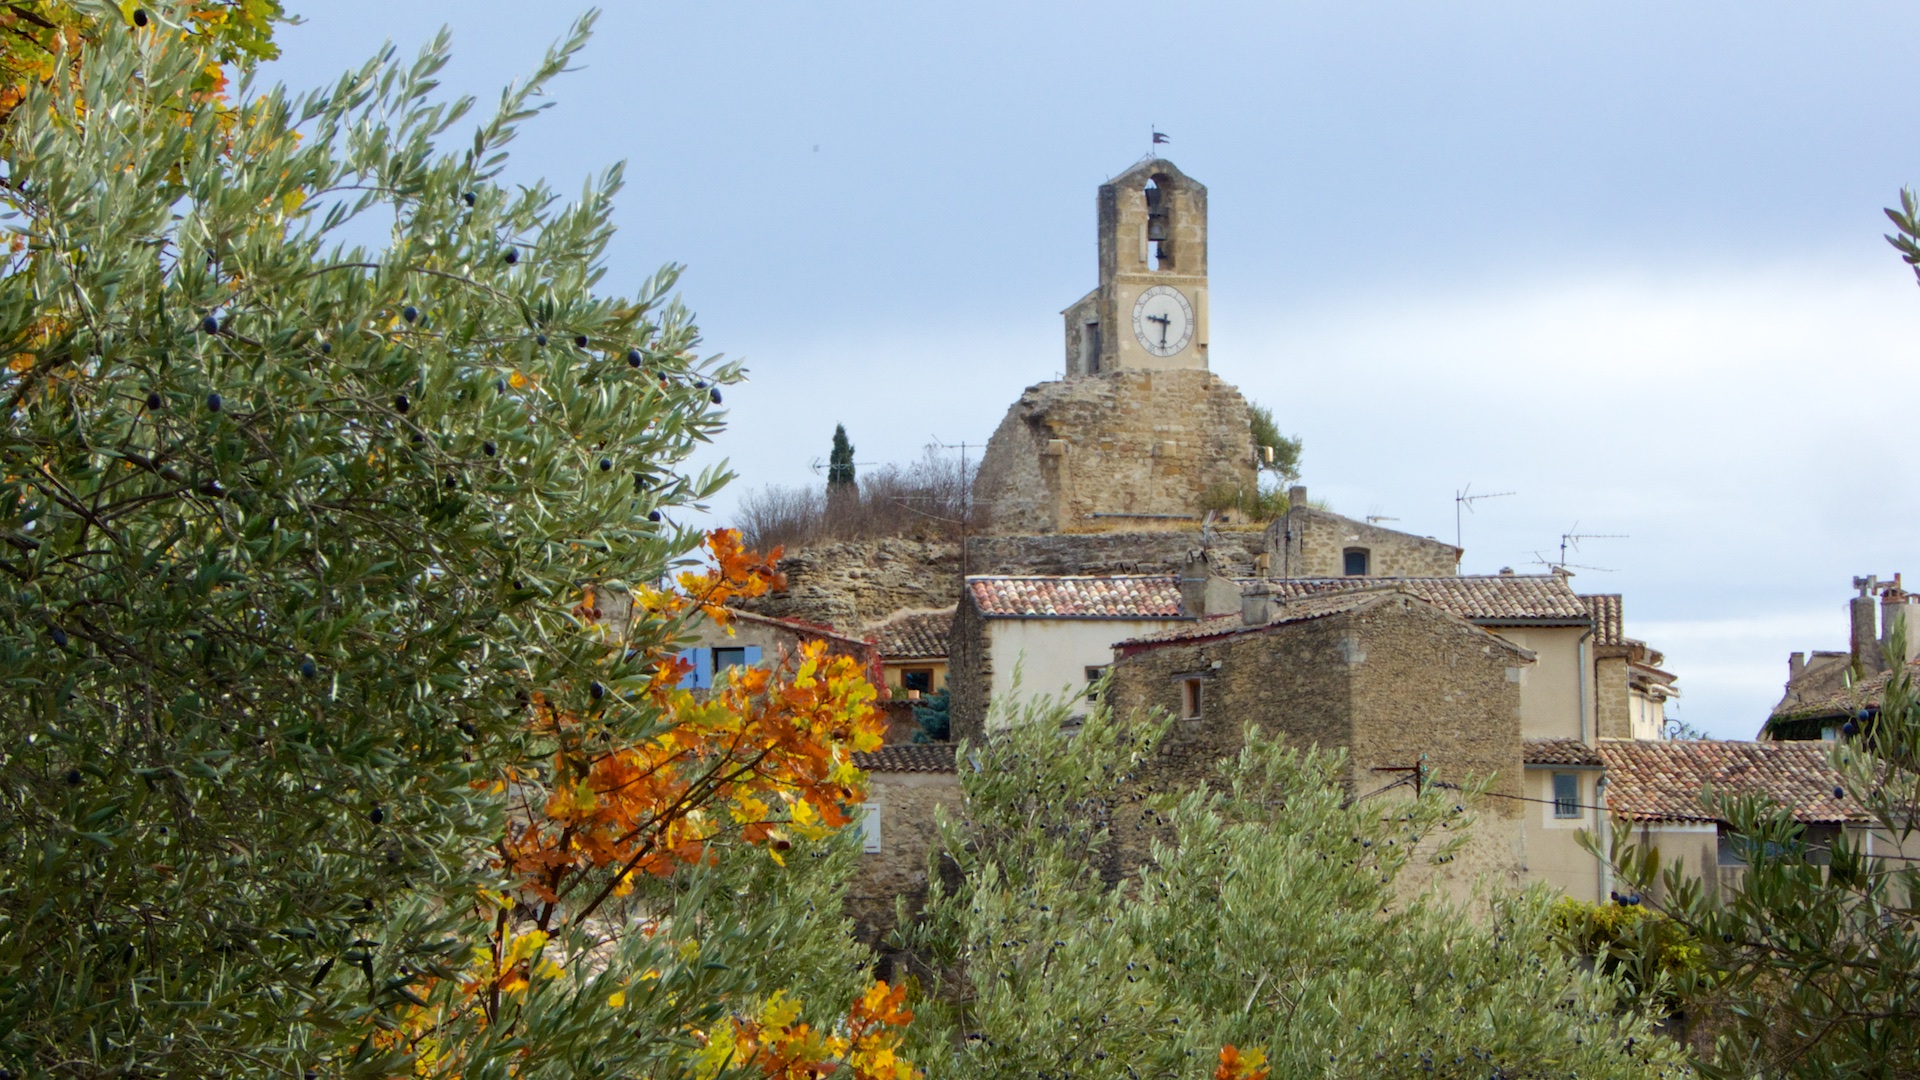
(326, 348)
(73, 777)
(540, 340)
(469, 198)
(580, 340)
(606, 464)
(213, 402)
(1849, 729)
(715, 395)
(210, 324)
(699, 384)
(410, 313)
(500, 386)
(139, 16)
(376, 815)
(419, 438)
(488, 448)
(401, 403)
(596, 690)
(1839, 792)
(653, 515)
(59, 637)
(368, 901)
(153, 400)
(633, 358)
(213, 489)
(308, 669)
(452, 483)
(512, 256)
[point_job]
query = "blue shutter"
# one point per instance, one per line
(753, 655)
(702, 669)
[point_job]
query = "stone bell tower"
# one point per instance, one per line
(1150, 308)
(1140, 434)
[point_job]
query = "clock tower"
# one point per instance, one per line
(1150, 309)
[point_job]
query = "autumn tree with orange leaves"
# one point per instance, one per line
(324, 753)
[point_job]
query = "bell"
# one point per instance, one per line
(1156, 228)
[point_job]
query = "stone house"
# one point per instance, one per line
(1829, 688)
(913, 651)
(904, 784)
(1656, 787)
(1413, 692)
(753, 639)
(1306, 542)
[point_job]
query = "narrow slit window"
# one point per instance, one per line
(1190, 698)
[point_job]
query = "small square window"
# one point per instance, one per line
(1094, 675)
(1190, 699)
(1566, 795)
(726, 658)
(920, 678)
(1357, 562)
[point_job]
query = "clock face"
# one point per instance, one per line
(1163, 320)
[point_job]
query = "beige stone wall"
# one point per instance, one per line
(906, 801)
(1388, 684)
(1129, 442)
(1131, 263)
(1158, 551)
(1553, 851)
(1550, 698)
(1309, 543)
(1613, 700)
(969, 675)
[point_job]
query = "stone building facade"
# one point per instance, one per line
(1395, 681)
(1309, 543)
(1827, 689)
(904, 785)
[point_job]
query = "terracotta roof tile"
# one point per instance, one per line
(1606, 611)
(1663, 780)
(1301, 609)
(1482, 598)
(1837, 703)
(915, 635)
(1123, 596)
(908, 757)
(1559, 752)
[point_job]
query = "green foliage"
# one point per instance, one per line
(931, 713)
(1657, 959)
(1815, 946)
(1285, 465)
(1272, 919)
(840, 460)
(291, 533)
(1257, 505)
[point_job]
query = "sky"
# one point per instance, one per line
(1624, 260)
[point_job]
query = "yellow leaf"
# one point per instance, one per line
(616, 999)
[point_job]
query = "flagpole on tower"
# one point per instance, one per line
(1159, 137)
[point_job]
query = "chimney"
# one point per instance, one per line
(1256, 608)
(1204, 593)
(1864, 643)
(1796, 664)
(1897, 613)
(1297, 497)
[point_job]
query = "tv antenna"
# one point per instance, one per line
(1375, 519)
(966, 494)
(1570, 541)
(1464, 499)
(820, 466)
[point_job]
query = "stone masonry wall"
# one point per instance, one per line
(1613, 710)
(1121, 442)
(851, 584)
(1387, 683)
(1312, 543)
(907, 835)
(969, 675)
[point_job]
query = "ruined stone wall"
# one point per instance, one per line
(907, 835)
(1310, 543)
(1128, 442)
(850, 584)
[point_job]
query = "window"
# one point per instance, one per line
(1094, 675)
(1090, 349)
(726, 658)
(1190, 699)
(919, 678)
(1566, 795)
(1357, 560)
(870, 828)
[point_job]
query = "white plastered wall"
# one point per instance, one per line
(1053, 656)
